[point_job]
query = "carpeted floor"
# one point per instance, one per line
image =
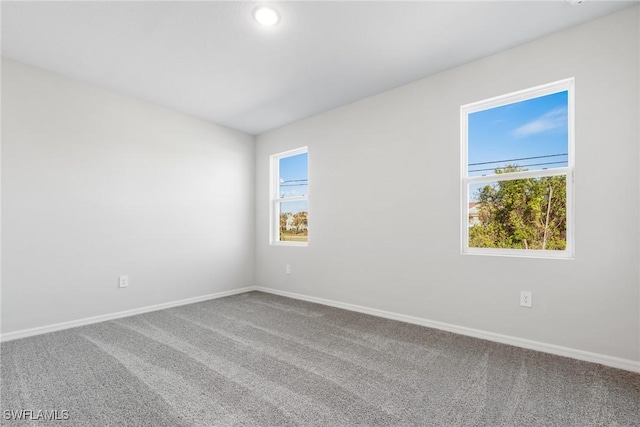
(262, 360)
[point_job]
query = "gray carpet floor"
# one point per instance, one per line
(257, 359)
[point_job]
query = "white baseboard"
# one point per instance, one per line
(615, 362)
(102, 318)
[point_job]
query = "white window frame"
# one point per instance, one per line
(568, 171)
(276, 200)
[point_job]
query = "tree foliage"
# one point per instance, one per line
(526, 213)
(296, 223)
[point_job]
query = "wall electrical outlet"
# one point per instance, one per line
(525, 298)
(123, 281)
(287, 269)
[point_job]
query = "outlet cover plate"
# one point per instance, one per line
(123, 281)
(525, 298)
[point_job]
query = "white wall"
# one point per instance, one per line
(95, 185)
(385, 187)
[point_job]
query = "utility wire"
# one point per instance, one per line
(531, 164)
(522, 158)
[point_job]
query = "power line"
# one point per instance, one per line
(522, 158)
(532, 164)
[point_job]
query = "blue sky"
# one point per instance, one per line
(294, 174)
(531, 128)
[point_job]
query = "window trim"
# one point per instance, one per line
(275, 200)
(568, 171)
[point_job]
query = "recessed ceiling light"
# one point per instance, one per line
(266, 16)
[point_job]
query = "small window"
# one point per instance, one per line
(517, 173)
(290, 198)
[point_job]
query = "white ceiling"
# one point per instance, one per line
(211, 60)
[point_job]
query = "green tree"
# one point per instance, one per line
(528, 213)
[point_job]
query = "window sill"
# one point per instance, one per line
(520, 253)
(299, 244)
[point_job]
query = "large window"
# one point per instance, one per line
(290, 198)
(517, 173)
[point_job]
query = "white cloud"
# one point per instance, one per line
(554, 119)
